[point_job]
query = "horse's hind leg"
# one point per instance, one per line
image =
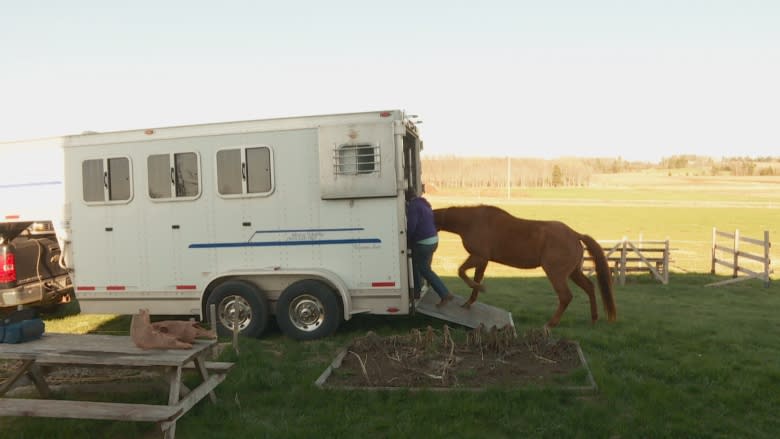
(564, 297)
(579, 278)
(473, 262)
(479, 273)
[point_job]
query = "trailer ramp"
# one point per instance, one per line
(479, 313)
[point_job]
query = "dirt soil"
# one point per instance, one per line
(75, 375)
(65, 375)
(434, 359)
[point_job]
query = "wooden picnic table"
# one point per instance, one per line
(108, 351)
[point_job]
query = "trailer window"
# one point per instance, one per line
(174, 175)
(258, 165)
(118, 179)
(92, 180)
(159, 176)
(229, 179)
(244, 171)
(357, 159)
(105, 180)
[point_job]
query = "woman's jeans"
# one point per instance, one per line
(422, 255)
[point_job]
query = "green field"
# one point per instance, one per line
(682, 209)
(683, 360)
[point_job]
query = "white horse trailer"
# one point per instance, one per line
(299, 217)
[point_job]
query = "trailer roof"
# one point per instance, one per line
(221, 128)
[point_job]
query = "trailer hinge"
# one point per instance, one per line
(399, 128)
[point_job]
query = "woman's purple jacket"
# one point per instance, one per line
(419, 220)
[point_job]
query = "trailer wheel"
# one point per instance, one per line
(307, 310)
(240, 301)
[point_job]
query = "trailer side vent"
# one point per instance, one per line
(356, 159)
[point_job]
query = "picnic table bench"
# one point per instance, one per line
(108, 351)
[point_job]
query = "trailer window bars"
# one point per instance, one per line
(354, 159)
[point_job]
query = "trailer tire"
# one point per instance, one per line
(308, 310)
(242, 297)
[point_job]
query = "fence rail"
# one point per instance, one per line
(734, 253)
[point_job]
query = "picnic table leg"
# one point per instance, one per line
(18, 373)
(204, 375)
(174, 381)
(37, 378)
(32, 370)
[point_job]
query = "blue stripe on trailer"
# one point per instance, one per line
(32, 183)
(345, 229)
(286, 243)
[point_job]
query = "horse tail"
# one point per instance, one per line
(603, 274)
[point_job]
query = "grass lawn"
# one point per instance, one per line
(682, 360)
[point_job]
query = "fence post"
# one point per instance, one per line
(508, 178)
(666, 261)
(736, 254)
(767, 262)
(213, 325)
(714, 235)
(641, 247)
(622, 272)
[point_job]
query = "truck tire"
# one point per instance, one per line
(308, 310)
(241, 298)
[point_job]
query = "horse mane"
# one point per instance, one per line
(483, 207)
(496, 210)
(469, 215)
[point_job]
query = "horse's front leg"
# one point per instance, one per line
(479, 264)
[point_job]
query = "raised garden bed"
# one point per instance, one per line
(451, 359)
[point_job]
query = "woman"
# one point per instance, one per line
(424, 240)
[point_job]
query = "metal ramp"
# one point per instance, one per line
(479, 313)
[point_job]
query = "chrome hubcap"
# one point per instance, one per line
(234, 309)
(306, 313)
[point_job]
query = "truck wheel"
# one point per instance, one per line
(307, 310)
(240, 301)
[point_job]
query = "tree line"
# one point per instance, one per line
(496, 172)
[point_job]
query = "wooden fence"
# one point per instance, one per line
(625, 256)
(734, 252)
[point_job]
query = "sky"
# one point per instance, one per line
(637, 79)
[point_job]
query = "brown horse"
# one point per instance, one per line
(491, 234)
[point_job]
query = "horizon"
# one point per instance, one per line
(771, 158)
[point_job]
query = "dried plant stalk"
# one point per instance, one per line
(362, 366)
